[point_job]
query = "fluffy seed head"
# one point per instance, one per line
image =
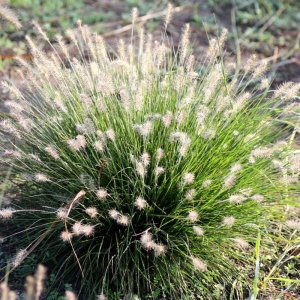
(236, 168)
(123, 220)
(110, 133)
(6, 213)
(70, 295)
(246, 192)
(199, 264)
(206, 183)
(144, 129)
(229, 181)
(188, 178)
(262, 152)
(145, 159)
(87, 230)
(62, 213)
(141, 169)
(102, 194)
(159, 170)
(78, 143)
(237, 199)
(293, 224)
(77, 228)
(241, 243)
(20, 256)
(159, 154)
(160, 249)
(140, 203)
(99, 146)
(228, 221)
(193, 216)
(66, 236)
(10, 16)
(52, 152)
(258, 198)
(198, 230)
(39, 177)
(146, 237)
(92, 212)
(169, 15)
(101, 297)
(190, 194)
(167, 119)
(147, 241)
(114, 214)
(82, 229)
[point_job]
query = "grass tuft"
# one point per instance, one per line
(141, 176)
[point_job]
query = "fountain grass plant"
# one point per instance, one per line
(140, 175)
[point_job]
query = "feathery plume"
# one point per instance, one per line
(78, 143)
(180, 117)
(287, 91)
(52, 152)
(7, 213)
(235, 168)
(20, 256)
(159, 170)
(169, 14)
(159, 249)
(193, 216)
(293, 224)
(159, 154)
(82, 229)
(260, 69)
(206, 183)
(237, 199)
(228, 221)
(143, 129)
(114, 214)
(123, 220)
(184, 43)
(229, 181)
(110, 133)
(190, 194)
(145, 159)
(39, 177)
(241, 243)
(92, 212)
(141, 169)
(66, 236)
(134, 15)
(250, 63)
(188, 178)
(102, 194)
(147, 241)
(140, 203)
(261, 152)
(9, 15)
(40, 276)
(62, 213)
(258, 198)
(99, 146)
(70, 295)
(198, 230)
(264, 84)
(199, 264)
(101, 297)
(167, 119)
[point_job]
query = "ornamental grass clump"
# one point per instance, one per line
(141, 174)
